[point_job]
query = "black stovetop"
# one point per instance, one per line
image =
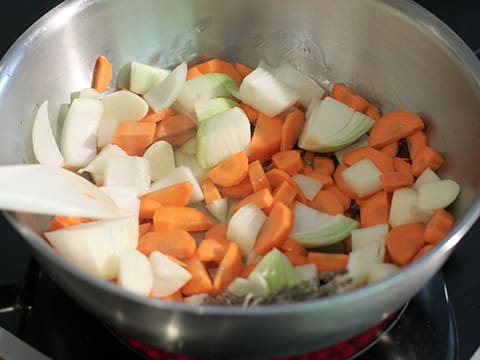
(459, 272)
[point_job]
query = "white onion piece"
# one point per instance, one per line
(125, 106)
(78, 143)
(309, 186)
(428, 175)
(50, 190)
(125, 197)
(45, 146)
(361, 261)
(177, 175)
(437, 194)
(403, 200)
(264, 92)
(96, 168)
(219, 209)
(190, 161)
(166, 92)
(362, 141)
(371, 234)
(306, 272)
(161, 159)
(106, 129)
(363, 178)
(95, 246)
(144, 77)
(197, 299)
(168, 276)
(135, 273)
(128, 171)
(244, 226)
(190, 147)
(380, 271)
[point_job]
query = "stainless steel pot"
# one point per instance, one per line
(393, 51)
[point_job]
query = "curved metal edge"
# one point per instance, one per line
(413, 11)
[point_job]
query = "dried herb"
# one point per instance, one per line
(327, 284)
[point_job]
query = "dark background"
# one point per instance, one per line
(460, 272)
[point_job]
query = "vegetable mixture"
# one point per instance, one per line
(224, 184)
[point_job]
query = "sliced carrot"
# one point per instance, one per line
(426, 157)
(180, 217)
(266, 138)
(217, 230)
(306, 169)
(147, 208)
(404, 241)
(134, 137)
(375, 210)
(328, 202)
(177, 194)
(323, 165)
(156, 117)
(438, 226)
(193, 72)
(288, 161)
(212, 249)
(251, 113)
(416, 142)
(176, 296)
(275, 230)
(394, 126)
(401, 165)
(102, 74)
(293, 246)
(286, 194)
(144, 228)
(60, 222)
(340, 183)
(346, 201)
(373, 112)
(326, 180)
(175, 129)
(230, 171)
(391, 149)
(423, 251)
(395, 180)
(383, 162)
(177, 243)
(210, 191)
(247, 270)
(238, 191)
(296, 259)
(200, 281)
(229, 269)
(276, 177)
(328, 261)
(220, 66)
(257, 176)
(349, 97)
(244, 70)
(291, 128)
(362, 201)
(262, 198)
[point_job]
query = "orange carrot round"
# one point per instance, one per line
(288, 161)
(230, 171)
(404, 242)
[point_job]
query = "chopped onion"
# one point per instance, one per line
(403, 200)
(205, 109)
(125, 197)
(177, 175)
(265, 93)
(50, 190)
(44, 144)
(96, 168)
(144, 77)
(363, 177)
(307, 272)
(190, 147)
(371, 234)
(219, 208)
(362, 141)
(244, 226)
(197, 299)
(428, 175)
(310, 186)
(222, 136)
(128, 171)
(360, 261)
(277, 270)
(125, 106)
(190, 161)
(135, 273)
(95, 246)
(255, 285)
(168, 275)
(437, 194)
(78, 143)
(380, 271)
(161, 159)
(166, 91)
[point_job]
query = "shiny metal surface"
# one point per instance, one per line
(393, 51)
